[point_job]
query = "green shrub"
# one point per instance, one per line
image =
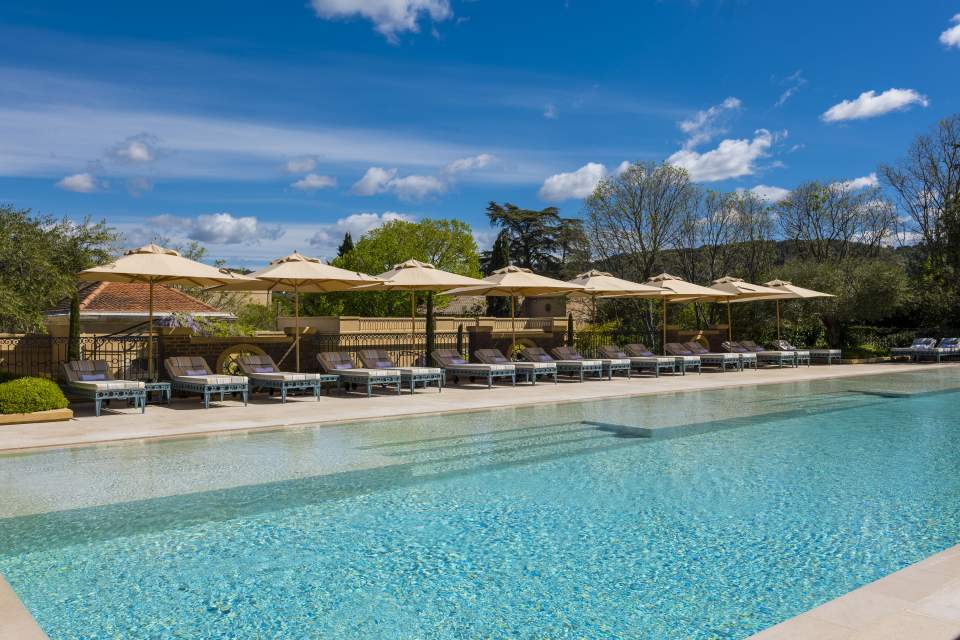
(26, 395)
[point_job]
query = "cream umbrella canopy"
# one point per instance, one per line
(516, 281)
(302, 274)
(414, 276)
(600, 284)
(741, 291)
(788, 291)
(675, 289)
(153, 264)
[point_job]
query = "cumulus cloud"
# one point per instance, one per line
(706, 125)
(857, 184)
(769, 193)
(731, 159)
(550, 111)
(622, 167)
(416, 187)
(357, 224)
(304, 164)
(469, 164)
(951, 37)
(312, 182)
(389, 17)
(374, 181)
(138, 149)
(79, 183)
(870, 104)
(575, 184)
(218, 228)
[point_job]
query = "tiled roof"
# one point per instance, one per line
(133, 298)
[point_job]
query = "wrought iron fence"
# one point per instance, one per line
(42, 356)
(404, 349)
(588, 343)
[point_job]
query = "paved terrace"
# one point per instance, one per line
(186, 416)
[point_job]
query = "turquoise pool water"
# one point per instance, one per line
(571, 521)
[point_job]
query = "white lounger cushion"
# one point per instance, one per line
(415, 371)
(723, 356)
(693, 359)
(659, 359)
(107, 385)
(369, 373)
(475, 366)
(546, 366)
(212, 379)
(285, 376)
(588, 363)
(617, 361)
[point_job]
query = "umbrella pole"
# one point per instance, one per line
(778, 319)
(413, 326)
(513, 323)
(150, 334)
(729, 323)
(663, 346)
(296, 311)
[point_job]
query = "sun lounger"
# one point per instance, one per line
(651, 363)
(574, 368)
(806, 355)
(456, 366)
(341, 364)
(93, 379)
(683, 362)
(722, 361)
(946, 348)
(410, 376)
(918, 344)
(264, 374)
(529, 371)
(610, 365)
(191, 374)
(766, 356)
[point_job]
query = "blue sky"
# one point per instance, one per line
(259, 129)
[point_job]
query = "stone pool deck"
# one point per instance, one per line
(187, 417)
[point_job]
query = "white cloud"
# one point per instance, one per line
(951, 37)
(794, 83)
(769, 193)
(858, 183)
(304, 164)
(374, 181)
(550, 111)
(731, 159)
(312, 182)
(328, 236)
(138, 149)
(389, 17)
(576, 184)
(79, 183)
(417, 187)
(870, 104)
(622, 167)
(217, 228)
(705, 125)
(469, 164)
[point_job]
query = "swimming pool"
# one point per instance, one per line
(576, 520)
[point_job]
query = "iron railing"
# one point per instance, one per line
(42, 356)
(403, 348)
(588, 342)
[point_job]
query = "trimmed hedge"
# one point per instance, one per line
(26, 395)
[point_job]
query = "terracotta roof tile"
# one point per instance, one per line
(132, 297)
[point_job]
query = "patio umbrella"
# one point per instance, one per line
(299, 273)
(675, 289)
(600, 284)
(153, 264)
(516, 281)
(788, 291)
(414, 276)
(741, 291)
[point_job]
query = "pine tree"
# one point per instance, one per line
(346, 246)
(499, 257)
